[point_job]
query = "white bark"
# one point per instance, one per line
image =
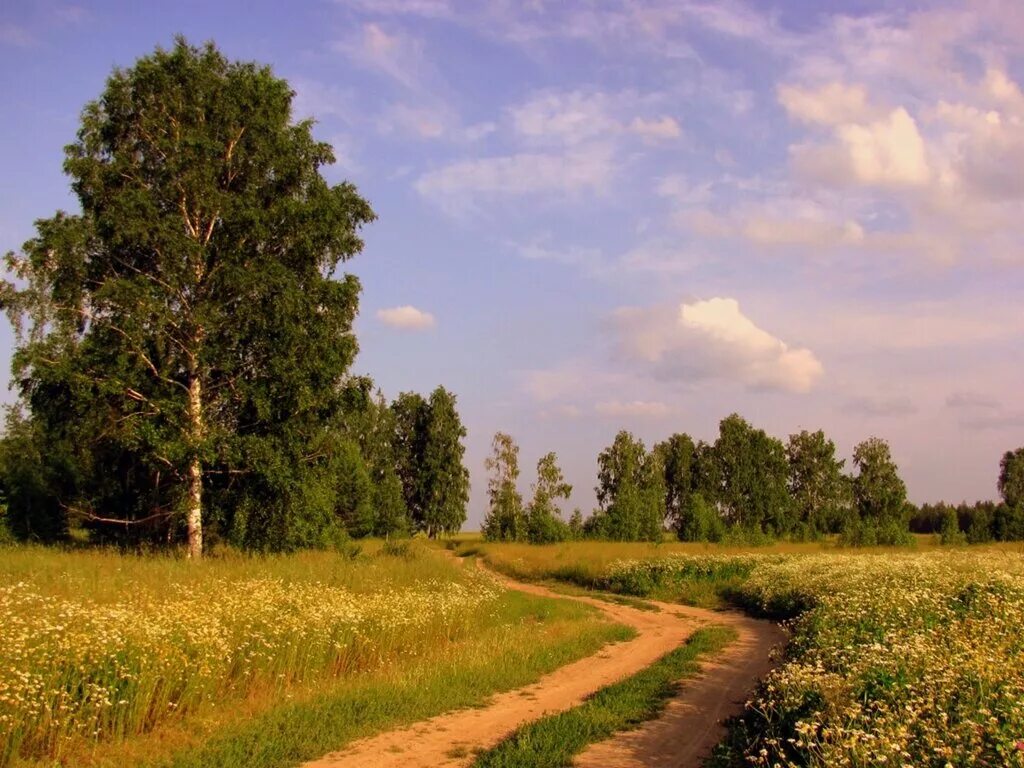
(194, 508)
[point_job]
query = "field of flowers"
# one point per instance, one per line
(896, 659)
(99, 645)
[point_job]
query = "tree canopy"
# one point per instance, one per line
(184, 343)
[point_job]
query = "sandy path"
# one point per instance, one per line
(451, 738)
(692, 723)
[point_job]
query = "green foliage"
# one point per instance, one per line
(429, 451)
(878, 491)
(631, 492)
(543, 517)
(700, 521)
(1011, 478)
(822, 498)
(754, 476)
(188, 324)
(355, 493)
(32, 484)
(505, 519)
(443, 476)
(677, 459)
(950, 532)
(576, 525)
(555, 739)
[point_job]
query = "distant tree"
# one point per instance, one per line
(978, 521)
(410, 415)
(354, 500)
(33, 484)
(630, 492)
(190, 319)
(505, 519)
(927, 518)
(706, 473)
(576, 525)
(701, 521)
(444, 479)
(879, 493)
(544, 517)
(377, 434)
(950, 530)
(1008, 523)
(1011, 478)
(677, 458)
(820, 491)
(754, 476)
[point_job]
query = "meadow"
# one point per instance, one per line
(108, 658)
(909, 658)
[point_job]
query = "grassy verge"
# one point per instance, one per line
(572, 590)
(269, 660)
(553, 741)
(546, 635)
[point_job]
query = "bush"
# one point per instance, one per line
(869, 533)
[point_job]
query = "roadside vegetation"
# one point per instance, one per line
(100, 648)
(896, 657)
(553, 741)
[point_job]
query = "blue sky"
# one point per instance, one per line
(636, 214)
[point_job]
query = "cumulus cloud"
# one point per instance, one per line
(713, 339)
(832, 104)
(406, 318)
(782, 222)
(633, 409)
(885, 153)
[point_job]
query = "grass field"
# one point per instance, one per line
(109, 659)
(898, 657)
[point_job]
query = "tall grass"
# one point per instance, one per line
(98, 645)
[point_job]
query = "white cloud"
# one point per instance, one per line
(396, 54)
(885, 153)
(406, 318)
(566, 118)
(831, 104)
(664, 127)
(713, 339)
(783, 221)
(633, 409)
(457, 186)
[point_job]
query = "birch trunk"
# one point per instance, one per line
(194, 508)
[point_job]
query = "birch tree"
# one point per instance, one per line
(189, 313)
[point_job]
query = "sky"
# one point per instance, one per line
(635, 214)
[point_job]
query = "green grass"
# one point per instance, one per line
(429, 634)
(547, 634)
(564, 588)
(553, 741)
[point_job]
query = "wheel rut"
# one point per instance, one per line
(689, 728)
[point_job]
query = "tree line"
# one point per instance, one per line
(749, 487)
(184, 343)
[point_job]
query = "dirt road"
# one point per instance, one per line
(451, 738)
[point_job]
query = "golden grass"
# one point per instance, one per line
(100, 646)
